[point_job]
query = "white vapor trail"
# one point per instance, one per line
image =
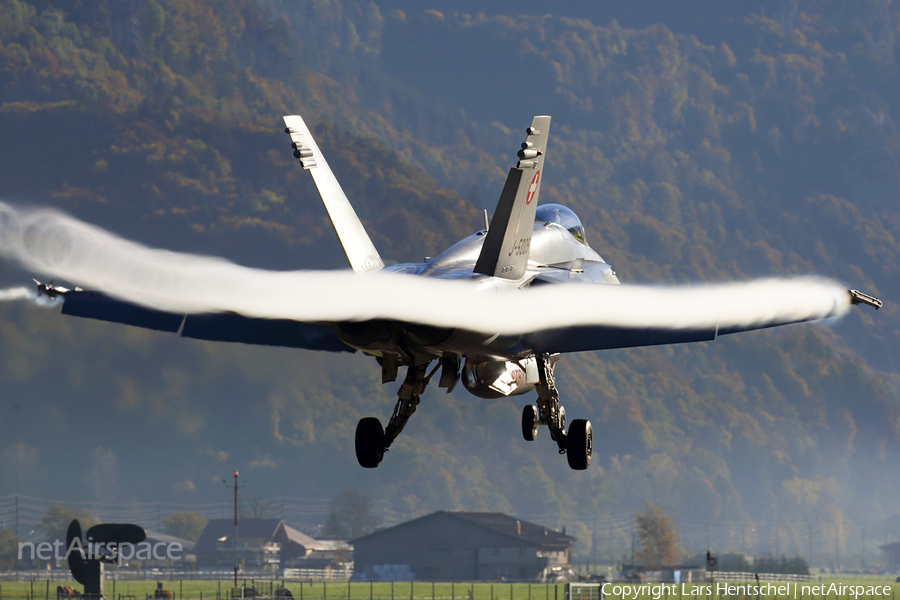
(56, 245)
(29, 295)
(17, 293)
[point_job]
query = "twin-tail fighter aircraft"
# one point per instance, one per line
(521, 271)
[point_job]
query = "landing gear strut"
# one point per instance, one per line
(371, 440)
(578, 444)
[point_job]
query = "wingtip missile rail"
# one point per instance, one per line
(857, 297)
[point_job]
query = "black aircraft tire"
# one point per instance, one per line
(580, 444)
(369, 442)
(530, 422)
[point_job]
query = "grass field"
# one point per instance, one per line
(421, 590)
(318, 590)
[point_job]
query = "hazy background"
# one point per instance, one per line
(696, 140)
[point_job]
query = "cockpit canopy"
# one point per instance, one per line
(563, 216)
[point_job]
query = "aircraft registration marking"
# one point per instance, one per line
(533, 187)
(522, 246)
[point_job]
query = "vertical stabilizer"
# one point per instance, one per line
(508, 242)
(360, 252)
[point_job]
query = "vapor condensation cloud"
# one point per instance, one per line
(27, 294)
(56, 245)
(18, 293)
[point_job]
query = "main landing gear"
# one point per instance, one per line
(578, 444)
(372, 441)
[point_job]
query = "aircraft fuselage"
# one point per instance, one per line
(556, 256)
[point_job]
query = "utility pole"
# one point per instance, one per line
(809, 544)
(225, 481)
(16, 555)
(632, 540)
(863, 548)
(837, 549)
(235, 529)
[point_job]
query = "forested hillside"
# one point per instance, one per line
(748, 142)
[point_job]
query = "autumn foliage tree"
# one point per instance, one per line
(352, 515)
(8, 548)
(657, 538)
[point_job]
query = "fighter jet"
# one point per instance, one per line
(526, 246)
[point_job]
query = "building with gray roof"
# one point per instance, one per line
(462, 546)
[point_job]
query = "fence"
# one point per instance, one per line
(147, 575)
(584, 591)
(426, 590)
(299, 590)
(175, 575)
(297, 574)
(765, 577)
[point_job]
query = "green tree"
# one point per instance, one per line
(186, 524)
(657, 538)
(352, 515)
(773, 564)
(56, 520)
(7, 548)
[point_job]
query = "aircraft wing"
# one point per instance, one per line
(582, 338)
(94, 305)
(618, 321)
(231, 327)
(216, 327)
(228, 302)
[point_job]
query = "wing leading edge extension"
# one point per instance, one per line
(231, 327)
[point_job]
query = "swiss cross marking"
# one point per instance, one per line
(533, 187)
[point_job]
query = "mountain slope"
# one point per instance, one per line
(771, 151)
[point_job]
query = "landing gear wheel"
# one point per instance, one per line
(369, 442)
(580, 444)
(530, 422)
